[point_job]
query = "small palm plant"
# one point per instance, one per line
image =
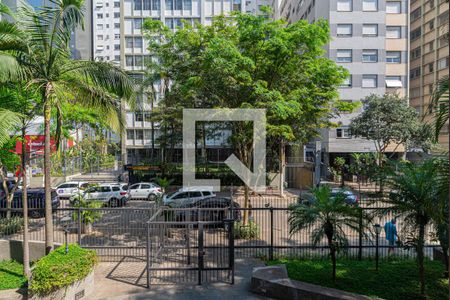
(329, 216)
(419, 193)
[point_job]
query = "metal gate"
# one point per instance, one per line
(190, 246)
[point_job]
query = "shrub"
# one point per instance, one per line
(11, 225)
(249, 231)
(58, 269)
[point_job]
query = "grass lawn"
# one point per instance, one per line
(394, 280)
(11, 275)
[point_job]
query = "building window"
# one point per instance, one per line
(99, 26)
(370, 30)
(370, 5)
(169, 4)
(138, 61)
(393, 57)
(442, 41)
(116, 4)
(414, 73)
(139, 134)
(344, 30)
(431, 25)
(138, 117)
(393, 81)
(443, 18)
(130, 134)
(128, 60)
(178, 4)
(343, 133)
(155, 4)
(116, 57)
(393, 32)
(415, 34)
(117, 15)
(369, 81)
(415, 53)
(442, 63)
(344, 5)
(137, 4)
(99, 16)
(116, 46)
(187, 4)
(416, 14)
(117, 25)
(347, 82)
(138, 24)
(128, 42)
(117, 36)
(100, 37)
(344, 55)
(431, 67)
(370, 56)
(147, 4)
(393, 7)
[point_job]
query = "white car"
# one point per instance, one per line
(110, 194)
(144, 190)
(186, 196)
(71, 188)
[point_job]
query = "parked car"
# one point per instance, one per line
(36, 202)
(187, 196)
(145, 190)
(71, 188)
(110, 194)
(209, 209)
(350, 197)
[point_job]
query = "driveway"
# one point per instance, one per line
(111, 283)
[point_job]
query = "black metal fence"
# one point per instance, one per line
(119, 232)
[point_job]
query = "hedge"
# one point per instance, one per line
(58, 269)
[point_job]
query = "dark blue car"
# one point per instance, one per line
(36, 202)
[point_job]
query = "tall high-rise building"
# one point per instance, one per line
(369, 39)
(429, 57)
(118, 37)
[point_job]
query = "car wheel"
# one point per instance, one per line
(35, 214)
(113, 202)
(151, 197)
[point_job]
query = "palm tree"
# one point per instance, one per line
(35, 49)
(418, 197)
(329, 216)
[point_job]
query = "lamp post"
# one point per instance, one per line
(377, 229)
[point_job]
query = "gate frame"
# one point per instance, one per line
(228, 225)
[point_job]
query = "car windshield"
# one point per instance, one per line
(169, 195)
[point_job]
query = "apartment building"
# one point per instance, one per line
(369, 39)
(118, 37)
(254, 6)
(429, 58)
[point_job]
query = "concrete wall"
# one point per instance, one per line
(13, 249)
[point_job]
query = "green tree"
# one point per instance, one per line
(249, 61)
(339, 163)
(328, 216)
(417, 197)
(35, 50)
(388, 120)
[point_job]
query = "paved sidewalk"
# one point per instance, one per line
(113, 289)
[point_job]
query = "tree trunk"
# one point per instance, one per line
(332, 255)
(26, 249)
(282, 163)
(7, 195)
(47, 182)
(420, 258)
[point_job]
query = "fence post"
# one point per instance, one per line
(360, 234)
(200, 253)
(231, 247)
(147, 252)
(271, 234)
(79, 225)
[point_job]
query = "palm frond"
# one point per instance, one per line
(439, 105)
(9, 121)
(103, 75)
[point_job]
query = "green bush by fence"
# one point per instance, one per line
(58, 269)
